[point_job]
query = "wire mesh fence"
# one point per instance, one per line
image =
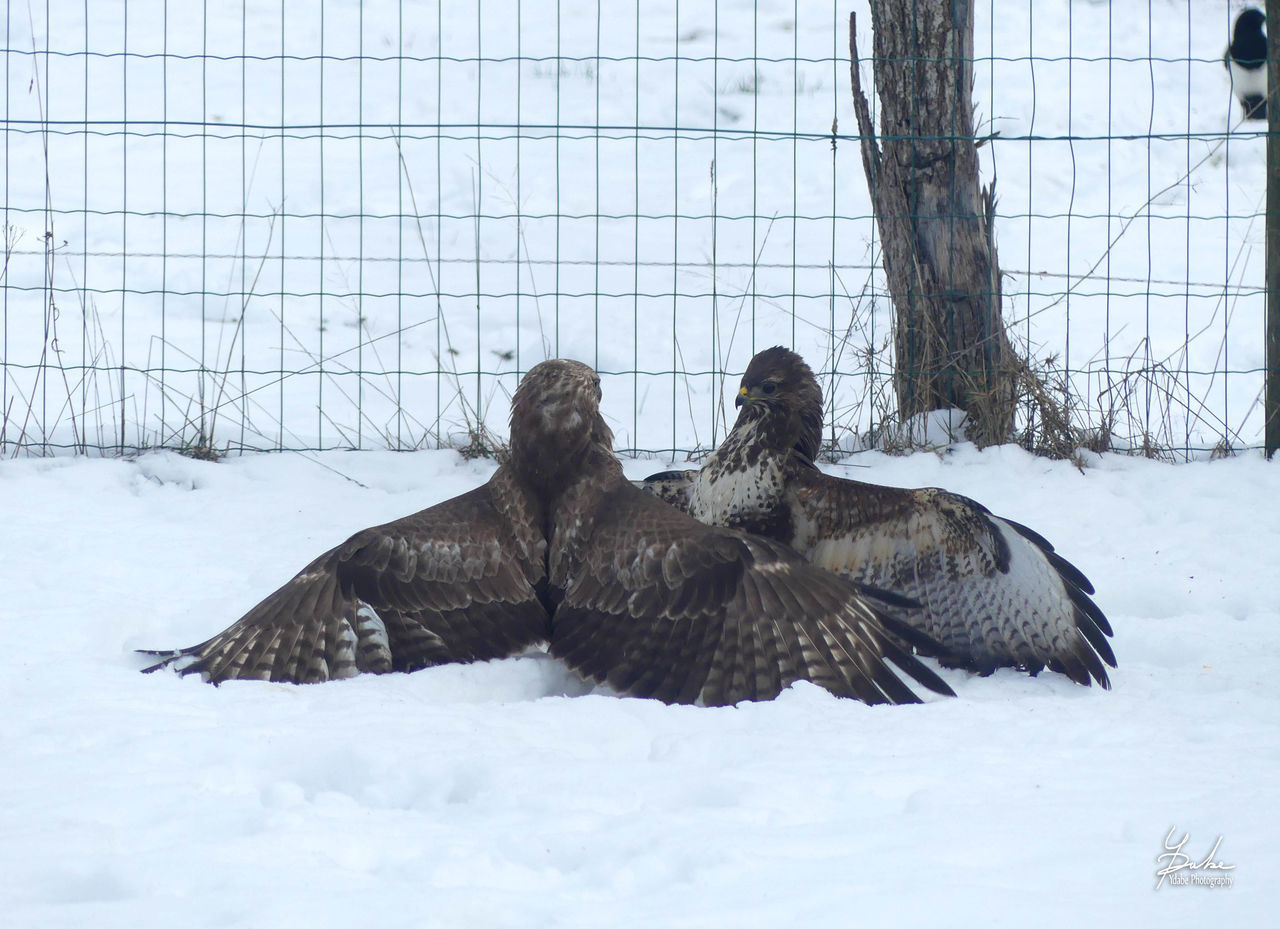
(286, 225)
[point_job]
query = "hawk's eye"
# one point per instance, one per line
(770, 387)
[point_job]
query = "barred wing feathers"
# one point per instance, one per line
(992, 590)
(655, 604)
(670, 486)
(454, 582)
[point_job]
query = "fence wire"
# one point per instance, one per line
(287, 225)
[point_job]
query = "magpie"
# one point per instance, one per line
(1246, 60)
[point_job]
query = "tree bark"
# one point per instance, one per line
(936, 221)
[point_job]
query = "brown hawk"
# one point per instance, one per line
(994, 593)
(559, 548)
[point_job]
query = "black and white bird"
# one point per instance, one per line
(1246, 61)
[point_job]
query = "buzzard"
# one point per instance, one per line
(559, 548)
(994, 593)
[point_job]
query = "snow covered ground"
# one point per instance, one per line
(504, 795)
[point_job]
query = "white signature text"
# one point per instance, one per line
(1179, 862)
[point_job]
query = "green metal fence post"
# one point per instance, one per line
(1271, 404)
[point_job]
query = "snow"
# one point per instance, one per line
(1129, 202)
(509, 793)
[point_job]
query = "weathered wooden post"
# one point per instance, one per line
(936, 220)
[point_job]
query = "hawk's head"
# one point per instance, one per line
(780, 387)
(556, 421)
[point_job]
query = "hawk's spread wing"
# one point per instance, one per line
(454, 582)
(671, 486)
(993, 592)
(656, 604)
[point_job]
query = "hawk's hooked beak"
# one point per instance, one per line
(742, 397)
